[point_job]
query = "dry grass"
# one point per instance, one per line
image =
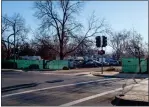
(113, 69)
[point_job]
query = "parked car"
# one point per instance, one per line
(114, 63)
(78, 63)
(30, 57)
(71, 64)
(90, 63)
(97, 62)
(106, 63)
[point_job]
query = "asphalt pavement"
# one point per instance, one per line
(54, 89)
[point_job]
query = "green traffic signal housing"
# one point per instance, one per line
(104, 41)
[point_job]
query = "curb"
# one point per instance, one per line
(118, 101)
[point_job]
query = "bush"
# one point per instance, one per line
(9, 65)
(65, 68)
(34, 66)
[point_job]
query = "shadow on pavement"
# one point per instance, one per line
(54, 81)
(16, 87)
(128, 76)
(122, 102)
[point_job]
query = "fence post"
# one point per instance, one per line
(44, 64)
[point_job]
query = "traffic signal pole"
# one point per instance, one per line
(101, 42)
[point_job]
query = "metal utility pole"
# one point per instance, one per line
(104, 44)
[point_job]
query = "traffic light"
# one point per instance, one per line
(98, 41)
(104, 41)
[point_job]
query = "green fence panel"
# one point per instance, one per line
(144, 66)
(63, 63)
(132, 65)
(129, 65)
(57, 64)
(21, 64)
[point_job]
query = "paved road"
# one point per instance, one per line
(56, 89)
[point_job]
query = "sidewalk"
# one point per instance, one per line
(137, 95)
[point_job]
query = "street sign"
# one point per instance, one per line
(101, 52)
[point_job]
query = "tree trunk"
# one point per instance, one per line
(61, 55)
(8, 55)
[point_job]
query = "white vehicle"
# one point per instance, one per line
(31, 57)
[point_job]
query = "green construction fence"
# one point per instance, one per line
(57, 64)
(22, 64)
(53, 65)
(131, 65)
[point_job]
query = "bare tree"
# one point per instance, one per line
(26, 49)
(15, 27)
(58, 19)
(85, 48)
(145, 49)
(5, 25)
(118, 42)
(43, 46)
(3, 50)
